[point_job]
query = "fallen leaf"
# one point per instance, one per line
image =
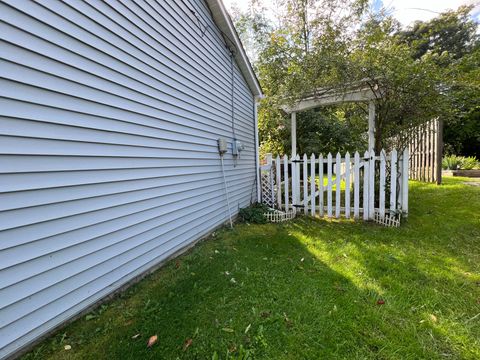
(90, 317)
(67, 347)
(433, 318)
(302, 259)
(153, 339)
(177, 264)
(187, 344)
(232, 348)
(227, 330)
(248, 328)
(233, 281)
(135, 336)
(380, 302)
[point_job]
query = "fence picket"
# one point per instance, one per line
(381, 201)
(338, 179)
(297, 180)
(312, 185)
(424, 147)
(393, 181)
(405, 182)
(320, 184)
(417, 156)
(285, 179)
(434, 150)
(294, 184)
(329, 185)
(356, 185)
(305, 184)
(366, 176)
(429, 156)
(371, 184)
(414, 158)
(347, 185)
(279, 182)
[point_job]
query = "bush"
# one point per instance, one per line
(469, 163)
(453, 162)
(254, 213)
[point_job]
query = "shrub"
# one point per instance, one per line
(454, 162)
(451, 162)
(469, 163)
(254, 213)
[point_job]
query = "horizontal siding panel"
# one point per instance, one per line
(165, 149)
(79, 243)
(78, 264)
(100, 77)
(37, 231)
(18, 163)
(41, 213)
(109, 118)
(18, 74)
(14, 17)
(47, 130)
(10, 184)
(115, 107)
(19, 200)
(140, 125)
(106, 281)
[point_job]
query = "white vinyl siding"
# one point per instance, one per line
(109, 118)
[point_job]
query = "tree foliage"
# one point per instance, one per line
(453, 38)
(419, 73)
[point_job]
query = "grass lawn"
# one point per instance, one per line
(309, 289)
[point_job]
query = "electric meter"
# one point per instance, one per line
(222, 146)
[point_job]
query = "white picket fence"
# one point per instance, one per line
(338, 186)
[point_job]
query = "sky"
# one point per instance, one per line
(406, 11)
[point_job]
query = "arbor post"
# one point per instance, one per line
(371, 125)
(294, 134)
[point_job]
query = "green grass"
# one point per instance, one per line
(308, 289)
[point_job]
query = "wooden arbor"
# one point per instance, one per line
(359, 92)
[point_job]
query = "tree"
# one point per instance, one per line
(453, 37)
(462, 131)
(410, 90)
(453, 32)
(318, 45)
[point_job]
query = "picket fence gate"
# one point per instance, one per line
(298, 185)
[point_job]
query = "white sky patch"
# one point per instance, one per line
(406, 11)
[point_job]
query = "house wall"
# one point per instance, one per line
(109, 119)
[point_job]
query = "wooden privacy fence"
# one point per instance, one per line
(369, 186)
(426, 148)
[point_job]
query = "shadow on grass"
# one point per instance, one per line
(305, 290)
